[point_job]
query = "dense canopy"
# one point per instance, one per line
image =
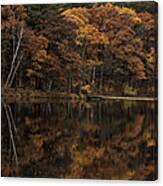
(102, 48)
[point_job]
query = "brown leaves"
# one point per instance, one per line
(78, 38)
(32, 42)
(137, 67)
(117, 30)
(13, 16)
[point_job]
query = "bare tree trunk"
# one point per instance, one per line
(15, 70)
(81, 68)
(93, 76)
(14, 58)
(101, 77)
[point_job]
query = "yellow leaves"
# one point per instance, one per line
(136, 20)
(86, 31)
(103, 39)
(77, 15)
(29, 73)
(124, 10)
(91, 34)
(151, 143)
(129, 91)
(91, 62)
(76, 20)
(151, 58)
(118, 32)
(40, 56)
(130, 13)
(86, 89)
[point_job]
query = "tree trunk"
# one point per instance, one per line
(101, 77)
(14, 58)
(93, 77)
(69, 83)
(15, 70)
(81, 68)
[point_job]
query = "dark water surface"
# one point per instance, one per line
(97, 140)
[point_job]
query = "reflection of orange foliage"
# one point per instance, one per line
(136, 126)
(90, 149)
(38, 140)
(82, 160)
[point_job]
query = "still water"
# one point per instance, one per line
(68, 139)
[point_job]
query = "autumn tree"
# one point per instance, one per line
(99, 47)
(89, 41)
(13, 25)
(61, 36)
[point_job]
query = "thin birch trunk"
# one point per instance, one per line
(15, 70)
(14, 58)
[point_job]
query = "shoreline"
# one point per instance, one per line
(125, 98)
(43, 96)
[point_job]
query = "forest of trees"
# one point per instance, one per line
(102, 48)
(60, 64)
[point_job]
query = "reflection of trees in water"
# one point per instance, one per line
(105, 140)
(12, 130)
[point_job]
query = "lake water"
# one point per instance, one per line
(69, 139)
